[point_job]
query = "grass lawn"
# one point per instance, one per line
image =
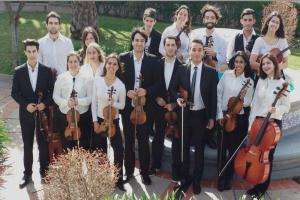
(114, 35)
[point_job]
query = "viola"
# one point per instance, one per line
(138, 115)
(209, 59)
(234, 107)
(72, 132)
(252, 161)
(109, 114)
(41, 115)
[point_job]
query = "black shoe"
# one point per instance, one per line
(196, 188)
(25, 181)
(128, 177)
(146, 180)
(120, 185)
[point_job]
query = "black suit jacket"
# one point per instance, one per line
(175, 82)
(208, 88)
(22, 91)
(149, 76)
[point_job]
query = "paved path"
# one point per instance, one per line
(9, 190)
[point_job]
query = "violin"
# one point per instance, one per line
(72, 132)
(138, 115)
(252, 161)
(234, 107)
(209, 59)
(109, 114)
(41, 115)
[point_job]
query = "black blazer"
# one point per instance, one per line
(208, 88)
(149, 74)
(175, 82)
(22, 91)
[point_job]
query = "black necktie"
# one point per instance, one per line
(193, 83)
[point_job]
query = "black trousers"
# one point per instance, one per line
(142, 134)
(194, 133)
(263, 187)
(228, 142)
(30, 126)
(117, 145)
(85, 124)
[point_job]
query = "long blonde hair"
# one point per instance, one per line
(98, 49)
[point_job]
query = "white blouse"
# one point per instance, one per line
(264, 97)
(87, 70)
(261, 46)
(100, 97)
(184, 38)
(230, 86)
(63, 88)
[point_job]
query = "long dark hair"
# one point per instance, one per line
(188, 25)
(280, 32)
(262, 74)
(120, 65)
(85, 33)
(247, 69)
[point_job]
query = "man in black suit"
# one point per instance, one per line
(29, 79)
(138, 63)
(170, 78)
(201, 83)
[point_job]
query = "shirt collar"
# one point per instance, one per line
(193, 65)
(59, 36)
(30, 68)
(253, 32)
(135, 59)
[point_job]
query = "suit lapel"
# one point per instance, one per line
(202, 80)
(39, 79)
(173, 73)
(131, 69)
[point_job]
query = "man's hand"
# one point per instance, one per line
(141, 92)
(131, 94)
(31, 107)
(210, 51)
(181, 102)
(40, 106)
(210, 124)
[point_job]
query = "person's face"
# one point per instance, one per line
(210, 19)
(112, 66)
(247, 21)
(268, 66)
(149, 23)
(31, 53)
(53, 25)
(182, 16)
(89, 39)
(73, 64)
(274, 24)
(196, 52)
(239, 65)
(138, 43)
(170, 47)
(92, 54)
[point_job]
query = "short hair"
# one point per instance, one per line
(170, 38)
(247, 70)
(248, 11)
(280, 32)
(140, 31)
(215, 10)
(197, 41)
(98, 49)
(31, 42)
(262, 74)
(54, 15)
(120, 65)
(150, 12)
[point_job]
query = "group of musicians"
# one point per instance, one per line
(178, 72)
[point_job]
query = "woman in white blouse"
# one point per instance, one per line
(93, 62)
(181, 29)
(230, 85)
(63, 87)
(270, 79)
(100, 99)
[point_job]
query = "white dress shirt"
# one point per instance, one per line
(198, 101)
(219, 44)
(101, 96)
(168, 71)
(264, 97)
(54, 53)
(230, 49)
(33, 74)
(137, 69)
(229, 86)
(63, 88)
(87, 70)
(184, 38)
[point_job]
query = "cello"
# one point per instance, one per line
(252, 161)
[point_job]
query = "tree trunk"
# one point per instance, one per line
(84, 14)
(14, 15)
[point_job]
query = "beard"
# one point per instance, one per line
(210, 25)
